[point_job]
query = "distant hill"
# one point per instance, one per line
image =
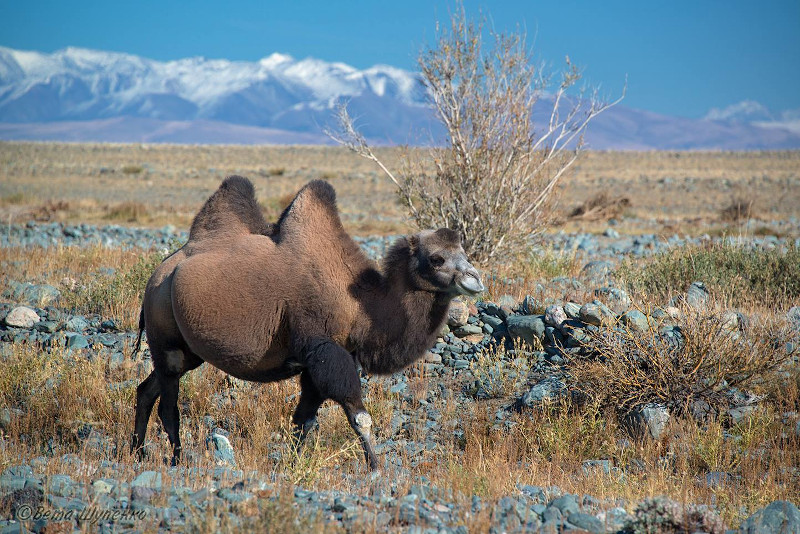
(86, 95)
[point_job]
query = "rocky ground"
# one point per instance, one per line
(555, 328)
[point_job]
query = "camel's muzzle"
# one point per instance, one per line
(469, 282)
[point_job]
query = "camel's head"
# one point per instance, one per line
(439, 263)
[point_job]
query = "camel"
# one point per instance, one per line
(265, 302)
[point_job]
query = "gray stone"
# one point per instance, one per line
(77, 341)
(778, 516)
(731, 321)
(649, 419)
(697, 295)
(458, 314)
(468, 329)
(531, 306)
(548, 390)
(572, 310)
(222, 449)
(617, 299)
(76, 324)
(431, 357)
(47, 327)
(22, 317)
(793, 316)
(597, 271)
(507, 303)
(528, 328)
(586, 522)
(635, 320)
(568, 504)
(554, 316)
(148, 479)
(596, 314)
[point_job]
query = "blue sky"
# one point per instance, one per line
(680, 57)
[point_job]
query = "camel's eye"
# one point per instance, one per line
(436, 260)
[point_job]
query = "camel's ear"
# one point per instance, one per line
(413, 243)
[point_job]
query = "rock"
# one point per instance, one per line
(76, 324)
(546, 391)
(732, 321)
(568, 504)
(697, 295)
(554, 316)
(48, 327)
(148, 479)
(617, 299)
(793, 316)
(467, 330)
(660, 514)
(223, 451)
(22, 317)
(778, 516)
(586, 522)
(597, 271)
(530, 306)
(596, 314)
(77, 342)
(42, 295)
(649, 419)
(458, 314)
(528, 328)
(572, 310)
(431, 357)
(507, 303)
(635, 320)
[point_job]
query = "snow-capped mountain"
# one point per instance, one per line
(87, 95)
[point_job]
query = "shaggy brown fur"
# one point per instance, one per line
(302, 300)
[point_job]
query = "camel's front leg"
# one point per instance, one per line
(333, 373)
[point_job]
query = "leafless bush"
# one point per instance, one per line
(698, 360)
(494, 177)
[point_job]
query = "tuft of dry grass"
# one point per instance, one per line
(599, 207)
(128, 212)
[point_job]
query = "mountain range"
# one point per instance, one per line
(77, 94)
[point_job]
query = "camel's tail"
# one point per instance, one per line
(141, 331)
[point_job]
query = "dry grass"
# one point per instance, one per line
(92, 280)
(669, 191)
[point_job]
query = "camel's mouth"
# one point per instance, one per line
(469, 284)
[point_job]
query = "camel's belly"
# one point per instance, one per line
(227, 324)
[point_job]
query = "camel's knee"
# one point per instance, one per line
(363, 422)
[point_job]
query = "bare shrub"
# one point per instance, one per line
(698, 361)
(494, 178)
(600, 207)
(740, 209)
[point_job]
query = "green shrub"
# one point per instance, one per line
(117, 295)
(737, 273)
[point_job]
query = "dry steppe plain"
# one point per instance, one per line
(457, 456)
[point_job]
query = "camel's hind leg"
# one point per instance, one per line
(305, 415)
(169, 370)
(146, 395)
(333, 371)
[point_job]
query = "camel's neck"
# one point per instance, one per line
(402, 323)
